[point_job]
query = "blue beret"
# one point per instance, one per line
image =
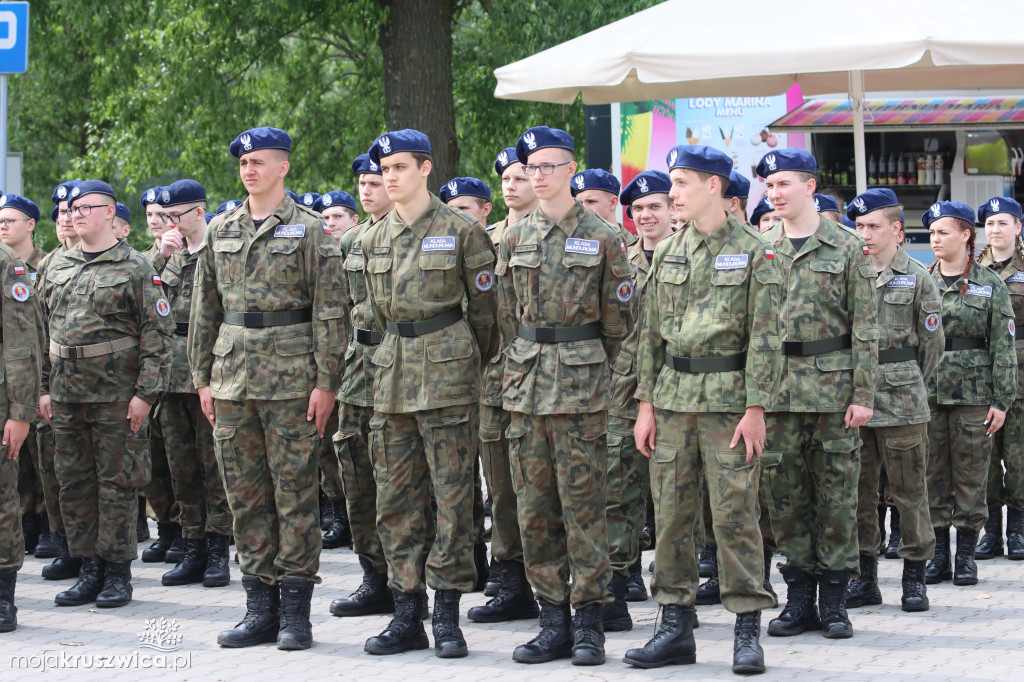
(293, 195)
(595, 178)
(648, 182)
(260, 138)
(60, 193)
(849, 223)
(363, 164)
(763, 206)
(823, 202)
(21, 203)
(458, 187)
(788, 159)
(739, 186)
(182, 192)
(393, 142)
(699, 157)
(229, 205)
(998, 205)
(209, 216)
(91, 187)
(122, 211)
(309, 199)
(151, 196)
(872, 200)
(542, 137)
(944, 209)
(335, 198)
(506, 157)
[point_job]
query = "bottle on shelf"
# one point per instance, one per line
(921, 164)
(843, 175)
(939, 170)
(901, 170)
(872, 170)
(891, 169)
(929, 170)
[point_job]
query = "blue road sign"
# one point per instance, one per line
(13, 37)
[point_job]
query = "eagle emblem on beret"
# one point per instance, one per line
(374, 167)
(327, 200)
(581, 181)
(859, 204)
(994, 204)
(307, 199)
(385, 144)
(75, 192)
(246, 142)
(770, 162)
(62, 192)
(151, 195)
(641, 184)
(672, 156)
(503, 158)
(453, 188)
(531, 140)
(936, 210)
(165, 196)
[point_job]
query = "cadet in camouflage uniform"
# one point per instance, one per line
(826, 393)
(971, 391)
(909, 347)
(198, 486)
(422, 260)
(513, 599)
(351, 442)
(707, 359)
(566, 290)
(1004, 254)
(267, 337)
(109, 342)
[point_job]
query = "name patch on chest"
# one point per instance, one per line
(438, 244)
(293, 231)
(671, 258)
(1016, 277)
(731, 261)
(978, 290)
(527, 248)
(591, 247)
(902, 282)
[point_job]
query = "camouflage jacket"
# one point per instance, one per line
(155, 257)
(111, 297)
(290, 263)
(440, 262)
(565, 274)
(34, 263)
(711, 297)
(909, 316)
(22, 338)
(494, 367)
(1013, 277)
(357, 379)
(984, 376)
(177, 279)
(623, 385)
(827, 292)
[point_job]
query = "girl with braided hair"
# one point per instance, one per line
(1004, 254)
(969, 393)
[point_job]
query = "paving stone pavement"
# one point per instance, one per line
(970, 633)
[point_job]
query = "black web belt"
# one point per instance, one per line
(896, 355)
(583, 332)
(181, 328)
(817, 347)
(368, 337)
(421, 327)
(730, 363)
(276, 318)
(965, 343)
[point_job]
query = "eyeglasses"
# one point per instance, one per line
(544, 168)
(9, 222)
(175, 218)
(85, 210)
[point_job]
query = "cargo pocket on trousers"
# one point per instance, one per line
(378, 453)
(735, 491)
(515, 436)
(663, 477)
(136, 467)
(779, 499)
(343, 451)
(298, 442)
(905, 463)
(452, 448)
(840, 476)
(588, 461)
(615, 482)
(224, 449)
(972, 445)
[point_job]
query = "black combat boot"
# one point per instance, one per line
(835, 623)
(405, 631)
(8, 611)
(768, 554)
(881, 527)
(372, 596)
(707, 561)
(800, 612)
(588, 635)
(48, 545)
(166, 533)
(514, 600)
(864, 591)
(142, 523)
(493, 585)
(615, 614)
(262, 616)
(448, 639)
(89, 585)
(940, 567)
(339, 534)
(636, 591)
(1014, 534)
(176, 552)
(326, 511)
(673, 642)
(191, 567)
(991, 544)
(915, 594)
(710, 592)
(895, 535)
(747, 654)
(216, 573)
(648, 534)
(481, 565)
(117, 585)
(30, 531)
(555, 639)
(64, 567)
(966, 570)
(295, 631)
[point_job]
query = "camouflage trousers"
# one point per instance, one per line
(559, 470)
(1006, 468)
(810, 469)
(330, 467)
(101, 466)
(693, 450)
(764, 521)
(411, 452)
(479, 531)
(12, 542)
(351, 443)
(30, 483)
(626, 511)
(958, 458)
(195, 476)
(903, 451)
(44, 466)
(265, 449)
(506, 542)
(159, 491)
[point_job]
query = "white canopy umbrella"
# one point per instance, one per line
(685, 48)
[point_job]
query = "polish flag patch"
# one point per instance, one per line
(156, 280)
(866, 252)
(769, 254)
(19, 270)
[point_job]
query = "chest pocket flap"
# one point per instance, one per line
(227, 245)
(529, 259)
(729, 278)
(438, 261)
(823, 265)
(673, 274)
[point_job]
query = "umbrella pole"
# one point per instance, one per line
(857, 105)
